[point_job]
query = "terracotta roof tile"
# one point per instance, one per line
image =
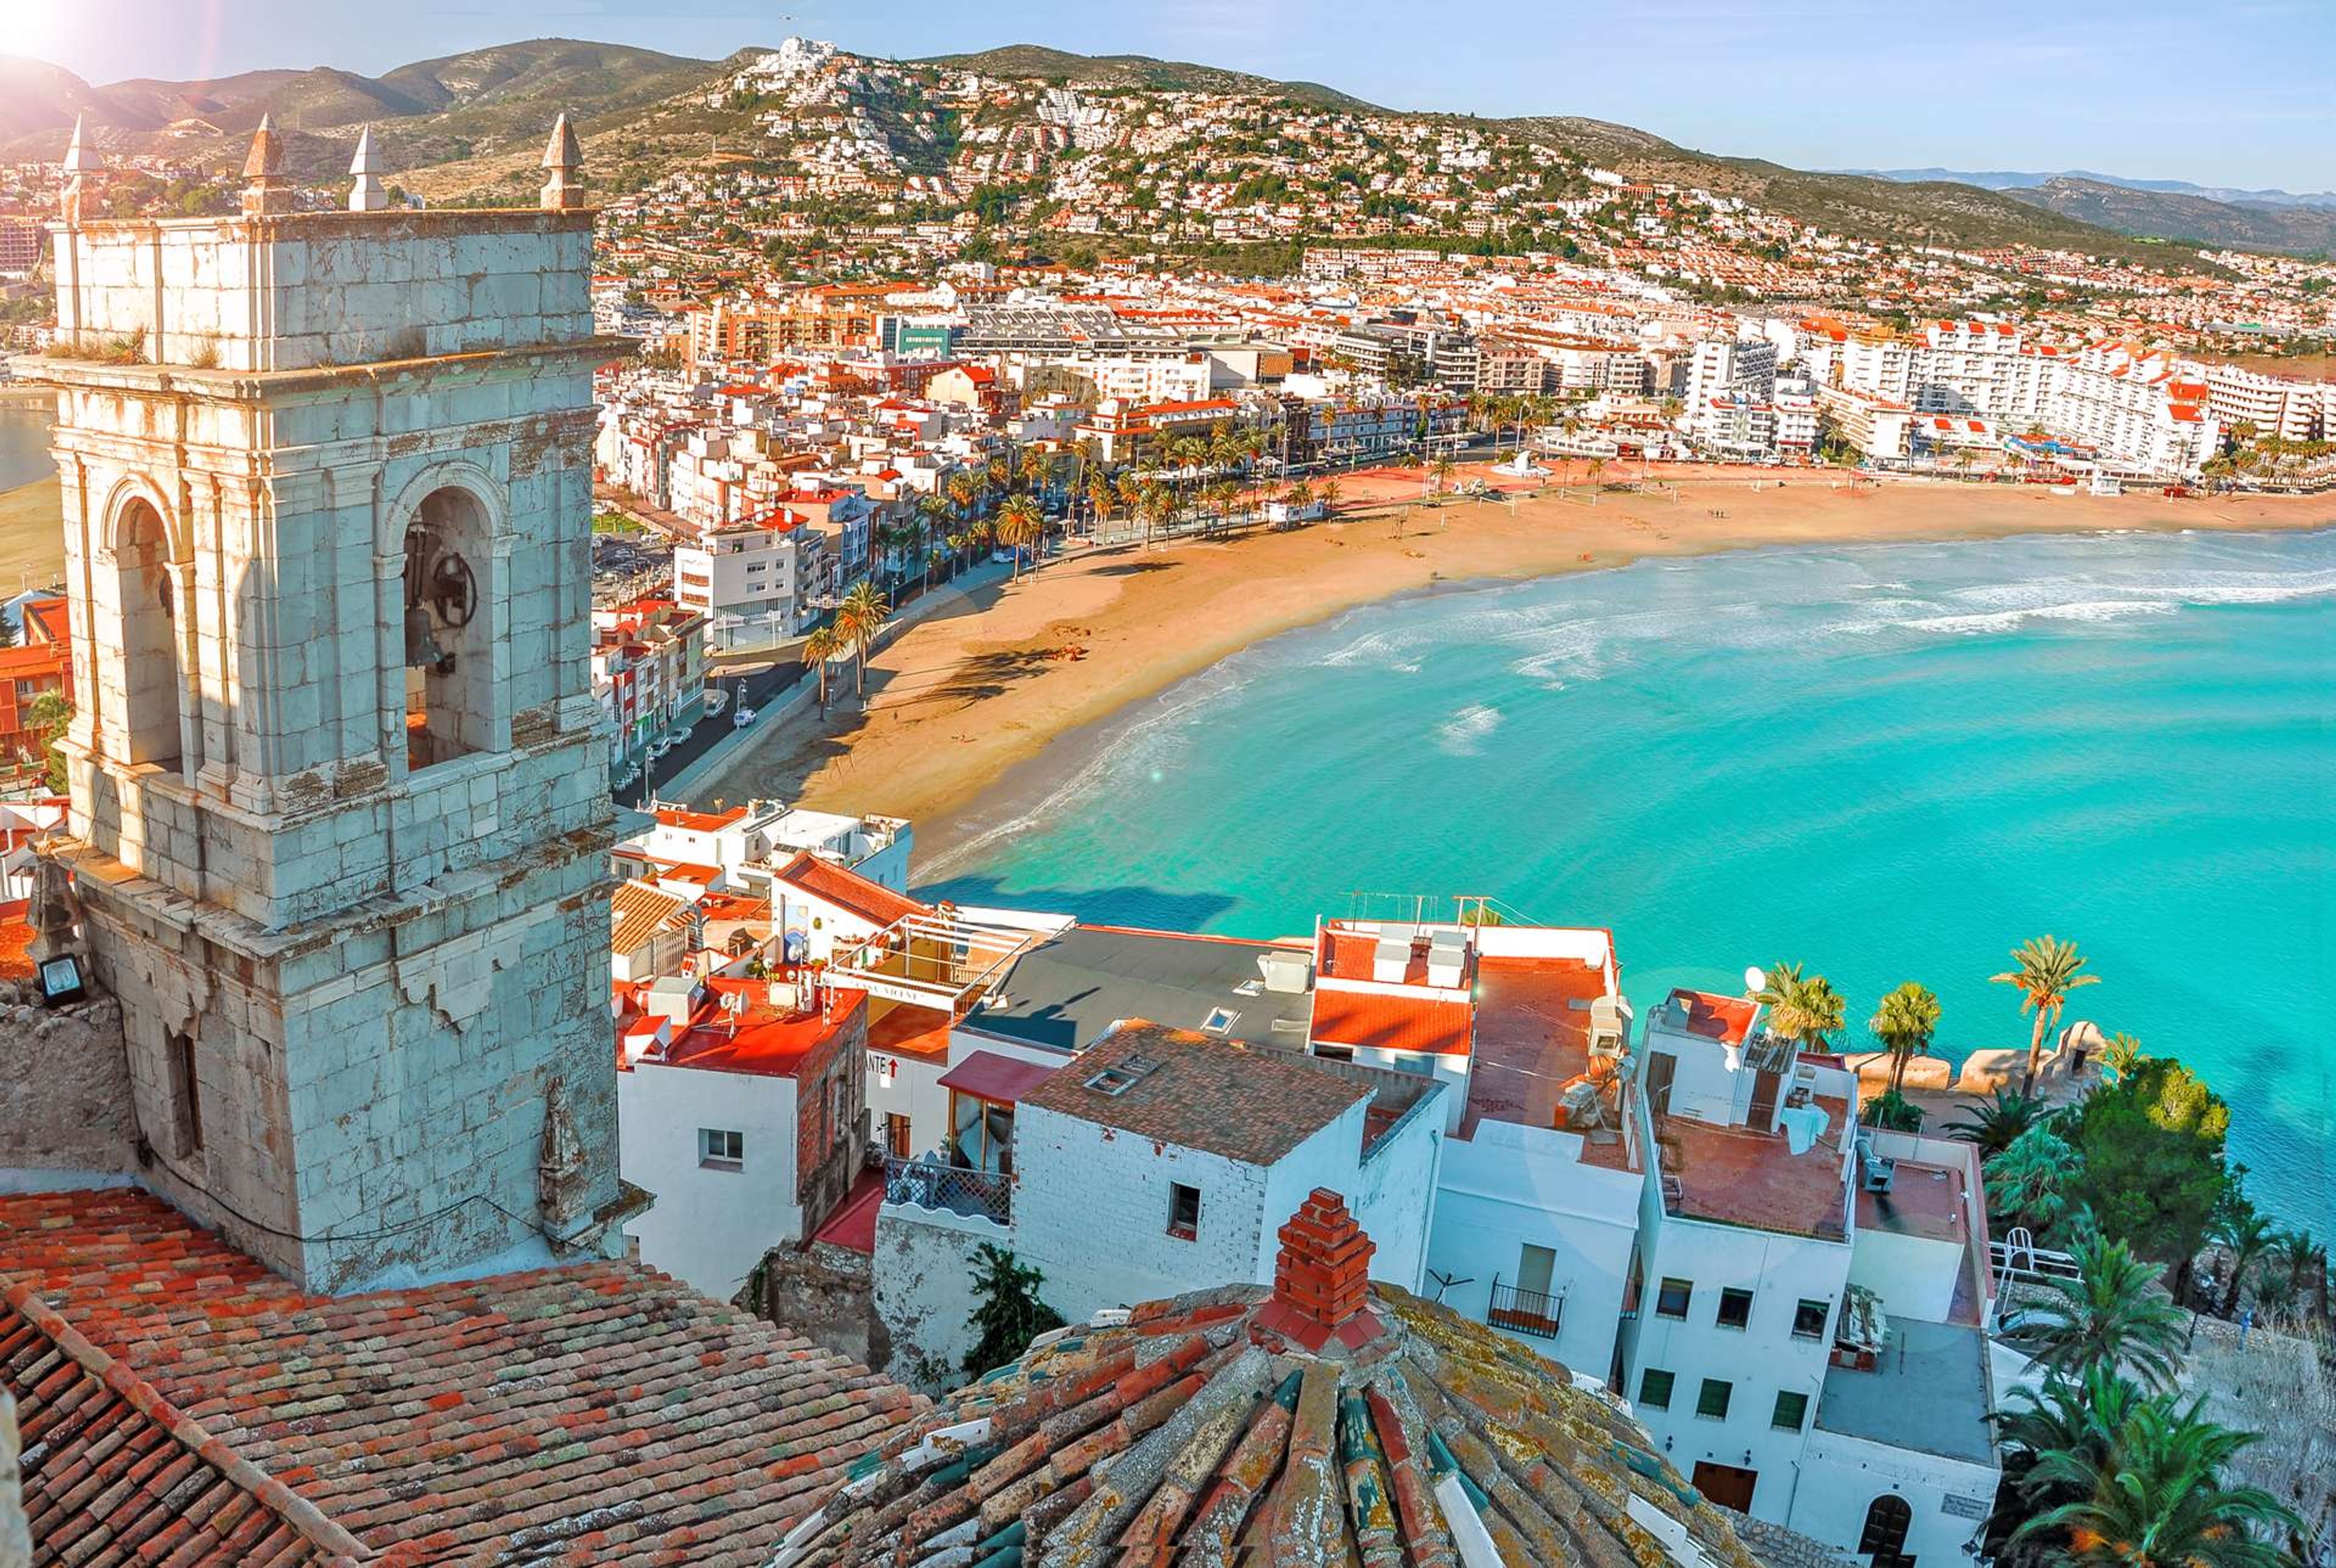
(1198, 1091)
(594, 1413)
(846, 890)
(1204, 1430)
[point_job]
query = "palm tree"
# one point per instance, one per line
(964, 489)
(1996, 1121)
(2157, 1499)
(1101, 497)
(821, 644)
(2114, 1313)
(1441, 471)
(2120, 1053)
(2047, 971)
(1020, 523)
(1904, 1024)
(1037, 467)
(2248, 1236)
(1805, 1010)
(2306, 1261)
(1330, 494)
(2024, 1183)
(2078, 1414)
(860, 620)
(932, 512)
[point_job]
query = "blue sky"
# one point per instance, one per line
(2234, 93)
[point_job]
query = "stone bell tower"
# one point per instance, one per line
(339, 820)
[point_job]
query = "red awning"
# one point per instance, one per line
(1000, 1080)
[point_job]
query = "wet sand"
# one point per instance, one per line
(1022, 673)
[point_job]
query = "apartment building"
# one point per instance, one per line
(40, 663)
(1130, 432)
(2279, 406)
(648, 674)
(754, 580)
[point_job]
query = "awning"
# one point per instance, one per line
(1000, 1080)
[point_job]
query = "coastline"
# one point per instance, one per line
(1055, 660)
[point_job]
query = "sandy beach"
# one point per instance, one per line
(994, 677)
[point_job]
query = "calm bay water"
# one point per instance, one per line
(1890, 762)
(24, 443)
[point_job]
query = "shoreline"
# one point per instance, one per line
(991, 706)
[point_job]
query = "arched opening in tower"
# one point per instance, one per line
(450, 664)
(145, 612)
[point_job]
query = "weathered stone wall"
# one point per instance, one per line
(65, 1103)
(389, 1071)
(292, 291)
(350, 970)
(825, 1294)
(832, 1122)
(923, 1270)
(286, 622)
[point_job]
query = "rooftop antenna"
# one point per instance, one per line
(734, 1003)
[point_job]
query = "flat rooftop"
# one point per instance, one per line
(765, 1040)
(1736, 1176)
(1068, 990)
(1532, 1043)
(1925, 1201)
(1927, 1393)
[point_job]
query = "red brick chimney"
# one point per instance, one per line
(1319, 1280)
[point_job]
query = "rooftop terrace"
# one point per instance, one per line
(1736, 1176)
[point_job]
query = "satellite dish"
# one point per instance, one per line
(1735, 1056)
(1756, 979)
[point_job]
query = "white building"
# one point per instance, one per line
(1155, 1161)
(740, 1107)
(1804, 1332)
(753, 580)
(741, 848)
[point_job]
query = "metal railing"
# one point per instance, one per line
(929, 1184)
(1534, 1313)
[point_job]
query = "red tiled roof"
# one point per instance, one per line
(596, 1413)
(15, 942)
(1325, 1421)
(1200, 1092)
(846, 890)
(1737, 1176)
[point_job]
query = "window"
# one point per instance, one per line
(1183, 1211)
(1655, 1388)
(1671, 1301)
(1712, 1402)
(186, 1094)
(1220, 1021)
(1791, 1412)
(1809, 1319)
(721, 1149)
(1734, 1309)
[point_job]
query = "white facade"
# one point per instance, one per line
(752, 581)
(713, 1220)
(1092, 1205)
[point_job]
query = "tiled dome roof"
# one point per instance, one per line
(1324, 1422)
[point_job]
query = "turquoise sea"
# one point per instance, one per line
(1889, 763)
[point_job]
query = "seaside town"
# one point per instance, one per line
(490, 1079)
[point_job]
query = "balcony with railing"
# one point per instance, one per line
(1522, 1311)
(927, 1183)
